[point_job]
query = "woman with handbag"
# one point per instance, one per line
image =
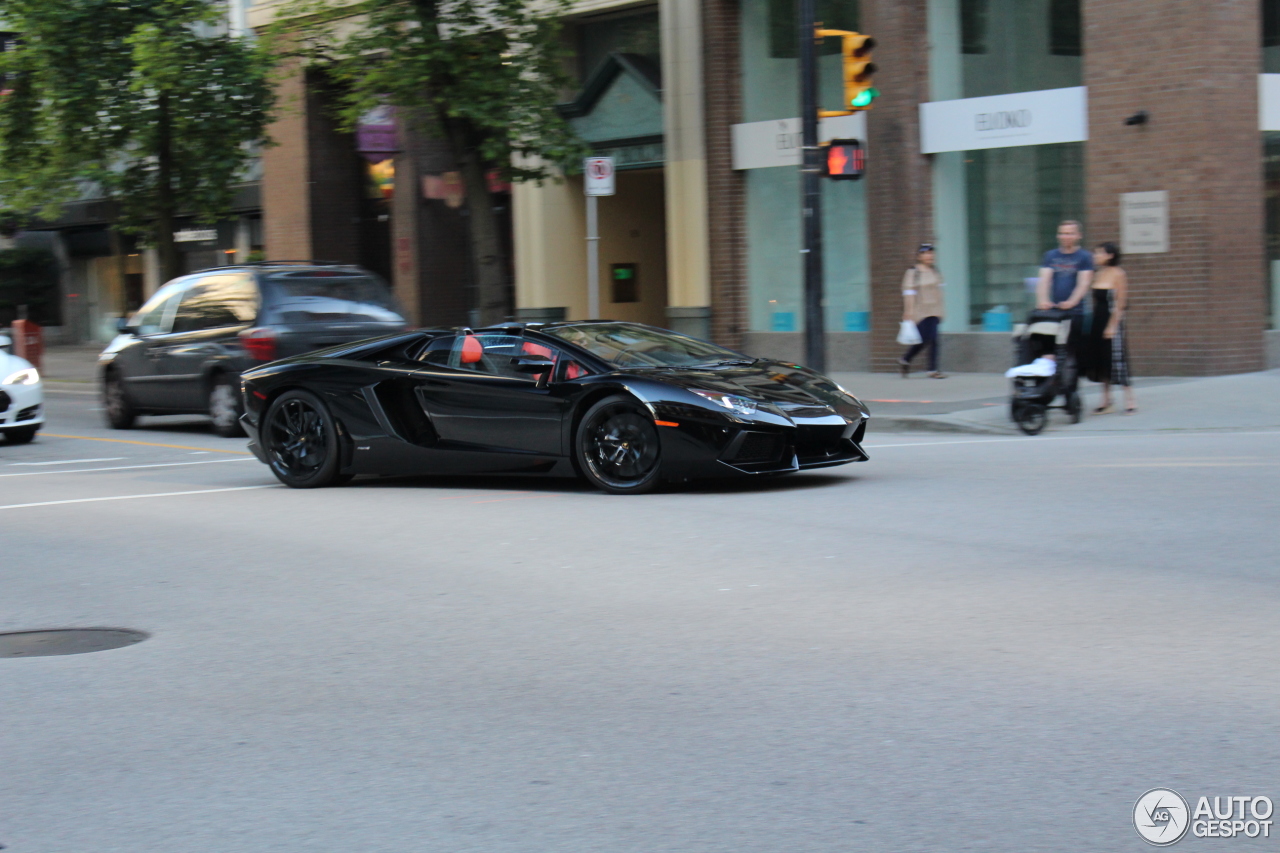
(922, 304)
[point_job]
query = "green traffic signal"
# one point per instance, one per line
(865, 97)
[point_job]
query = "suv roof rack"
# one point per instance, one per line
(299, 263)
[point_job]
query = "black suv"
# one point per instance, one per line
(183, 351)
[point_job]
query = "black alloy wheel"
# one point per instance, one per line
(301, 440)
(115, 400)
(616, 447)
(20, 436)
(225, 407)
(1032, 417)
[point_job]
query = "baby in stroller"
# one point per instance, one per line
(1045, 369)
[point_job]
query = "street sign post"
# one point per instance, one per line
(597, 180)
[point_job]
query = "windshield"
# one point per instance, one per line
(629, 345)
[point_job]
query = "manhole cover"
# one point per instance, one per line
(66, 641)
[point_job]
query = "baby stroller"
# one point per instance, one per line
(1037, 380)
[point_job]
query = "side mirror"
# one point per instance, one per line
(532, 364)
(122, 324)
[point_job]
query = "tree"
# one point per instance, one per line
(146, 99)
(483, 75)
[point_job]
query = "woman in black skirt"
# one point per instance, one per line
(1106, 349)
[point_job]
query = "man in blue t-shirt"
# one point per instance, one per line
(1065, 274)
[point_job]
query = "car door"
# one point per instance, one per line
(213, 311)
(140, 364)
(477, 400)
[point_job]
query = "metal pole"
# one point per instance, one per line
(593, 260)
(815, 351)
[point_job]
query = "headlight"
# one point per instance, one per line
(852, 397)
(732, 402)
(25, 376)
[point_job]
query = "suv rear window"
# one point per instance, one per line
(317, 297)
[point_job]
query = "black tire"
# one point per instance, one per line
(617, 447)
(1075, 407)
(300, 440)
(21, 436)
(1032, 418)
(116, 404)
(225, 407)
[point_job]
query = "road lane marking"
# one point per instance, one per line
(147, 443)
(525, 498)
(1040, 438)
(73, 461)
(1178, 464)
(120, 467)
(135, 497)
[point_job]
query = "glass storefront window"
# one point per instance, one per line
(1271, 36)
(1009, 45)
(630, 32)
(1271, 176)
(771, 90)
(1015, 199)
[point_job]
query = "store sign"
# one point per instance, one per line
(762, 144)
(195, 235)
(1269, 101)
(1144, 223)
(1044, 117)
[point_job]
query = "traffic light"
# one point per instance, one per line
(846, 159)
(858, 70)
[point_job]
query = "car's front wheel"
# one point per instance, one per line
(617, 447)
(225, 407)
(20, 436)
(119, 408)
(301, 440)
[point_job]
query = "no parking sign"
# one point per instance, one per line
(598, 176)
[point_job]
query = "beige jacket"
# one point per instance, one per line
(926, 286)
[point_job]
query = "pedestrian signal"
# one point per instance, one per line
(846, 159)
(858, 70)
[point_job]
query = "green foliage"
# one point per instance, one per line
(28, 277)
(101, 91)
(482, 73)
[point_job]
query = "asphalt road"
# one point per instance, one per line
(965, 644)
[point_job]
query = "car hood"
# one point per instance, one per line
(793, 389)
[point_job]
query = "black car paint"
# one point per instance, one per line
(174, 372)
(396, 415)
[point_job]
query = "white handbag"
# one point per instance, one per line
(908, 334)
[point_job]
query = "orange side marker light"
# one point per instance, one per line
(667, 423)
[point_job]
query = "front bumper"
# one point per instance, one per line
(21, 406)
(251, 429)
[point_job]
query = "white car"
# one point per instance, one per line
(21, 396)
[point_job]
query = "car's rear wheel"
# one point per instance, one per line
(20, 436)
(116, 403)
(225, 407)
(617, 447)
(301, 441)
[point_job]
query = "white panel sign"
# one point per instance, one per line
(195, 235)
(1003, 121)
(598, 176)
(1269, 101)
(762, 144)
(1144, 223)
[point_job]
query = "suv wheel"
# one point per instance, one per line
(120, 411)
(225, 407)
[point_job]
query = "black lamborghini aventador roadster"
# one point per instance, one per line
(624, 405)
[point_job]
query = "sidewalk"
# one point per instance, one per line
(71, 368)
(979, 403)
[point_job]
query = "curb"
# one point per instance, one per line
(927, 423)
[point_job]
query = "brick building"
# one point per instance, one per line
(1155, 124)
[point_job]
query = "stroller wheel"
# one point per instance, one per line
(1075, 408)
(1032, 418)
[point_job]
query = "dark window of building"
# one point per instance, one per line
(1064, 27)
(625, 284)
(633, 32)
(1271, 36)
(833, 14)
(973, 26)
